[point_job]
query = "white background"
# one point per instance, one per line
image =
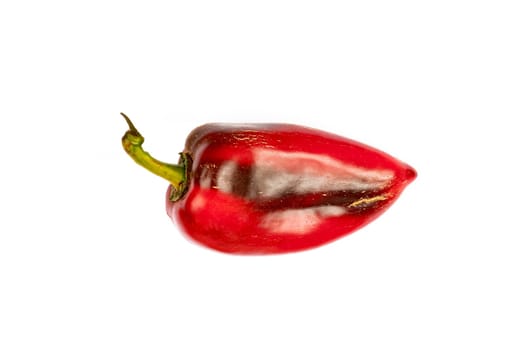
(89, 259)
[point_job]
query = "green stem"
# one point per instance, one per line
(132, 142)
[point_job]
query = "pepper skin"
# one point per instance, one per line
(273, 188)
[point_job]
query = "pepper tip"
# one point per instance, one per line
(410, 174)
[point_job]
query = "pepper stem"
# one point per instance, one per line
(132, 142)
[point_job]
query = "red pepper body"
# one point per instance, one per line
(277, 188)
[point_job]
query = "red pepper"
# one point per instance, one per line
(273, 188)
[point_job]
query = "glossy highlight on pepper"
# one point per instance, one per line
(273, 188)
